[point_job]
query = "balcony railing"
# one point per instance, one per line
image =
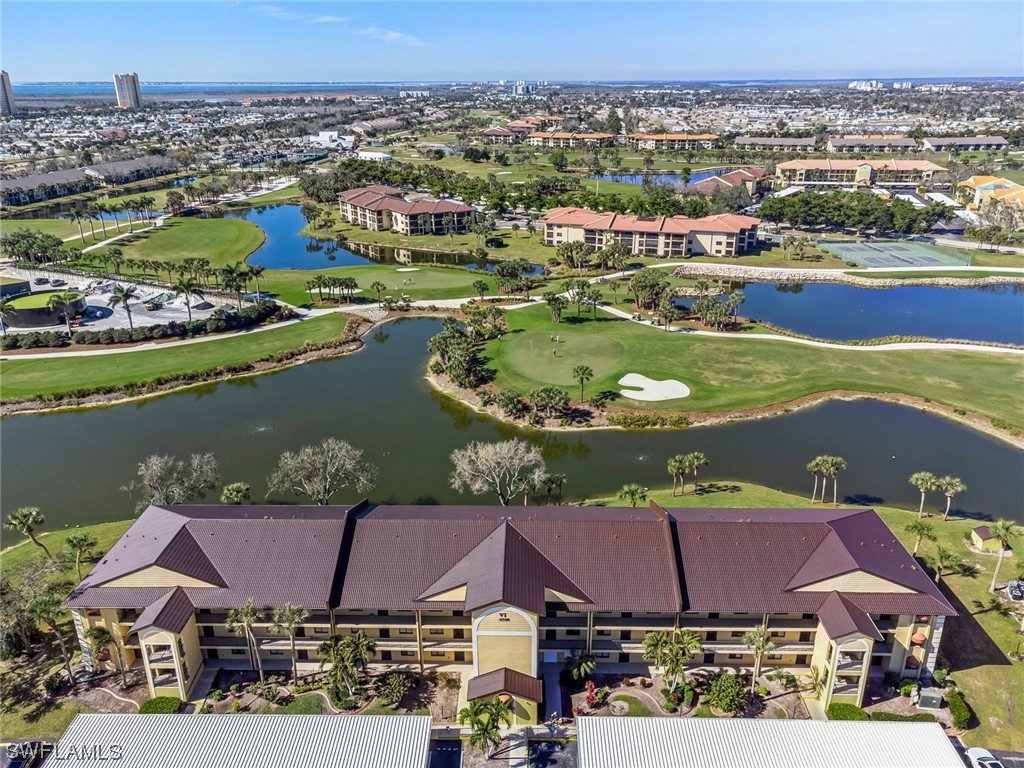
(161, 658)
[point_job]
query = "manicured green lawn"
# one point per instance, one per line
(25, 378)
(39, 299)
(305, 704)
(222, 241)
(986, 258)
(740, 372)
(291, 192)
(21, 550)
(636, 708)
(62, 228)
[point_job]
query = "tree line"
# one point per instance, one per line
(862, 211)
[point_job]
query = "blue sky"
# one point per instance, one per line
(280, 40)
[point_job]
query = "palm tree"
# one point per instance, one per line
(580, 665)
(945, 561)
(255, 272)
(188, 287)
(91, 214)
(116, 256)
(472, 713)
(950, 486)
(924, 482)
(1003, 531)
(832, 467)
(760, 642)
(82, 545)
(378, 287)
(920, 530)
(26, 520)
(582, 374)
(101, 211)
(290, 619)
(7, 310)
(485, 735)
(333, 651)
(233, 278)
(692, 462)
(48, 610)
(76, 215)
(634, 493)
(240, 621)
(815, 466)
(120, 296)
(359, 649)
(672, 652)
(480, 286)
(677, 469)
(63, 302)
(99, 638)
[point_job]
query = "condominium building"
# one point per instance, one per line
(382, 208)
(864, 144)
(722, 235)
(126, 87)
(6, 96)
(833, 173)
(965, 143)
(774, 144)
(500, 136)
(569, 139)
(671, 142)
(504, 595)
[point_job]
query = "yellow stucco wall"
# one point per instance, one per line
(512, 651)
(155, 576)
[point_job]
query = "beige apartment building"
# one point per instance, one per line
(670, 236)
(568, 139)
(504, 595)
(827, 172)
(383, 209)
(672, 142)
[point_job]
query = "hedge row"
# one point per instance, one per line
(646, 420)
(839, 711)
(958, 708)
(161, 705)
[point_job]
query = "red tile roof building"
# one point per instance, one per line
(726, 234)
(381, 208)
(497, 591)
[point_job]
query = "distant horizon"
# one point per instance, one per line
(303, 41)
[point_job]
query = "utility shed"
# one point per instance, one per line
(640, 742)
(256, 741)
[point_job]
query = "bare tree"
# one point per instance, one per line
(169, 480)
(505, 469)
(319, 471)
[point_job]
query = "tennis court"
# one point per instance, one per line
(883, 253)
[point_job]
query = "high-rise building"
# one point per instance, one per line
(126, 86)
(6, 97)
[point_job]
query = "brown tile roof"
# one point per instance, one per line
(827, 164)
(728, 223)
(272, 554)
(674, 136)
(840, 617)
(390, 199)
(983, 532)
(171, 612)
(781, 550)
(401, 554)
(505, 680)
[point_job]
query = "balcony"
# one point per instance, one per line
(849, 664)
(165, 681)
(161, 658)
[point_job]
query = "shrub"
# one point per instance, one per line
(392, 687)
(236, 705)
(316, 685)
(958, 708)
(689, 695)
(53, 683)
(646, 420)
(907, 689)
(786, 679)
(760, 690)
(235, 688)
(840, 711)
(727, 693)
(920, 717)
(216, 694)
(449, 680)
(161, 705)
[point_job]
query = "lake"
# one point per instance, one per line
(843, 312)
(661, 178)
(72, 464)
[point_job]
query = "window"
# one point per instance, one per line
(437, 631)
(604, 633)
(237, 652)
(735, 655)
(320, 630)
(602, 655)
(774, 655)
(404, 631)
(712, 615)
(736, 634)
(92, 612)
(437, 654)
(408, 653)
(807, 616)
(801, 660)
(572, 633)
(778, 634)
(276, 652)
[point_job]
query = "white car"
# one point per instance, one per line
(982, 758)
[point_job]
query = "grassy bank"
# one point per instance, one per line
(741, 373)
(23, 378)
(928, 273)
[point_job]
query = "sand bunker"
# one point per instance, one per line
(408, 269)
(651, 390)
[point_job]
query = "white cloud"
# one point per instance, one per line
(276, 12)
(391, 36)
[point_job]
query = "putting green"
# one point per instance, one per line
(532, 351)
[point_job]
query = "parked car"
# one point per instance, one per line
(1016, 591)
(57, 282)
(41, 281)
(982, 758)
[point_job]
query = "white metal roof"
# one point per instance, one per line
(699, 742)
(255, 741)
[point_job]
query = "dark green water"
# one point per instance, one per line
(73, 464)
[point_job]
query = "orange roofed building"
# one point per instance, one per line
(726, 234)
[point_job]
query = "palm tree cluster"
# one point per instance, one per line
(680, 465)
(827, 467)
(671, 652)
(348, 658)
(949, 485)
(345, 286)
(485, 718)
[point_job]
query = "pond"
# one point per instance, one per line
(661, 178)
(379, 401)
(286, 248)
(831, 311)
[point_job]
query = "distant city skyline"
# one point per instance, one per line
(285, 41)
